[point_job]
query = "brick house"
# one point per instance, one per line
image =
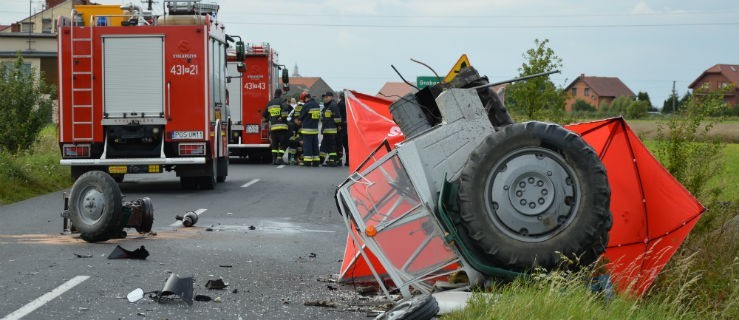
(596, 90)
(395, 90)
(719, 76)
(316, 86)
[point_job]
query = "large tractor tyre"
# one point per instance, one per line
(95, 206)
(222, 166)
(118, 177)
(420, 307)
(532, 193)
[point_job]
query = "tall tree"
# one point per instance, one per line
(644, 96)
(533, 96)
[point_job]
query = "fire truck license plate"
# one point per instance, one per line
(187, 135)
(252, 128)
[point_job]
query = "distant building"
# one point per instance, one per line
(316, 86)
(35, 38)
(395, 90)
(596, 91)
(719, 76)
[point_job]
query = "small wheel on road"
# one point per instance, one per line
(95, 206)
(420, 307)
(222, 169)
(147, 221)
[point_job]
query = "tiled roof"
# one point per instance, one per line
(395, 90)
(605, 86)
(730, 71)
(308, 82)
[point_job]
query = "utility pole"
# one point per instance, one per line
(674, 96)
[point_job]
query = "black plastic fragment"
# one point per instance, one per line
(120, 253)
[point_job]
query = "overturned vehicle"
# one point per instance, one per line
(490, 196)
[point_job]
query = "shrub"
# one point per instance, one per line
(23, 109)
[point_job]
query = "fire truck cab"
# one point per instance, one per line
(249, 134)
(143, 94)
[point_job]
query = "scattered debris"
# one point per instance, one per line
(120, 253)
(285, 300)
(83, 309)
(416, 307)
(312, 255)
(366, 291)
(135, 295)
(225, 266)
(252, 228)
(217, 300)
(83, 255)
(330, 287)
(141, 314)
(449, 301)
(235, 291)
(217, 284)
(209, 229)
(328, 278)
(189, 219)
(203, 298)
(320, 303)
(175, 285)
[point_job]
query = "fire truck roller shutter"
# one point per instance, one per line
(134, 76)
(234, 94)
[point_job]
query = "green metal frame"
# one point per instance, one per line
(448, 203)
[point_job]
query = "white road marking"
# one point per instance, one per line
(253, 181)
(280, 166)
(178, 223)
(42, 300)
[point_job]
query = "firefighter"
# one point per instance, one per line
(295, 155)
(310, 116)
(329, 116)
(276, 112)
(342, 145)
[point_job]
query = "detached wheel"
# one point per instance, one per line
(533, 192)
(95, 206)
(147, 219)
(421, 307)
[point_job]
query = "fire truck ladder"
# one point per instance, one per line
(82, 83)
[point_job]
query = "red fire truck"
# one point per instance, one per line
(145, 95)
(249, 135)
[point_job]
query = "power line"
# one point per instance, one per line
(593, 26)
(683, 13)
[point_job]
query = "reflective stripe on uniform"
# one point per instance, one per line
(337, 120)
(330, 131)
(278, 126)
(308, 131)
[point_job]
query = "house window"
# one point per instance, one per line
(26, 26)
(706, 85)
(724, 85)
(587, 92)
(9, 67)
(46, 25)
(574, 92)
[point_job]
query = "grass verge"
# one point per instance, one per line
(33, 172)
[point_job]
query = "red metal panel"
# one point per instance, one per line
(255, 95)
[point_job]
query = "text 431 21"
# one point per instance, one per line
(181, 69)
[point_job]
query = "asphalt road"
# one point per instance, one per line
(271, 271)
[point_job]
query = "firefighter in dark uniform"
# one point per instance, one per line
(276, 112)
(310, 116)
(342, 145)
(295, 155)
(329, 114)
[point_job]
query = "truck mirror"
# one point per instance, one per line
(240, 51)
(285, 77)
(241, 67)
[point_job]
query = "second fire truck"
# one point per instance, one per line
(249, 135)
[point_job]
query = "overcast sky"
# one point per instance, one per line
(352, 43)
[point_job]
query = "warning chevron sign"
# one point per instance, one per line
(463, 62)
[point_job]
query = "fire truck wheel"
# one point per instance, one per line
(95, 206)
(118, 177)
(77, 171)
(222, 169)
(188, 182)
(533, 193)
(207, 182)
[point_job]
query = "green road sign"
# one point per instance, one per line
(425, 81)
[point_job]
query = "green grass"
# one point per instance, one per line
(33, 172)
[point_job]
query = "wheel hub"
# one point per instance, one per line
(530, 194)
(91, 205)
